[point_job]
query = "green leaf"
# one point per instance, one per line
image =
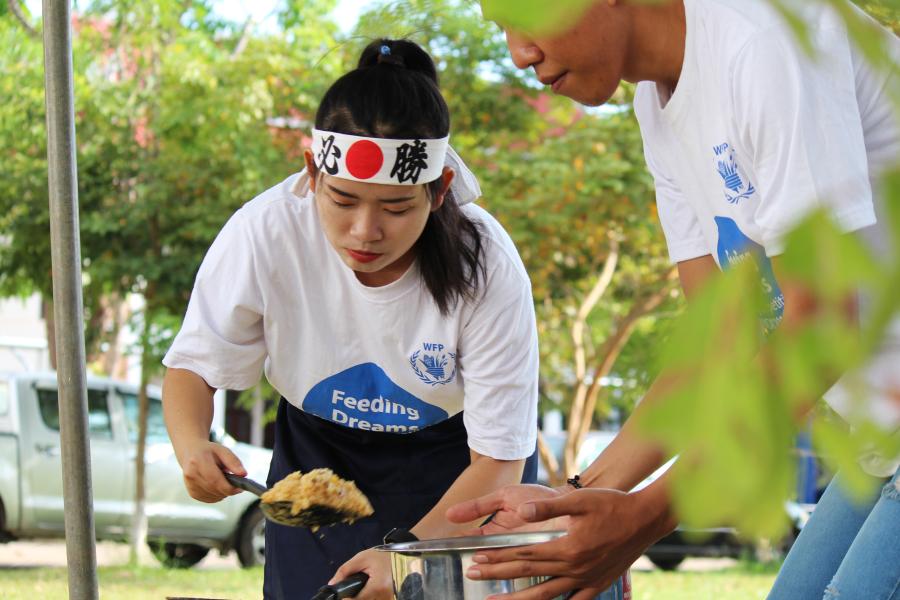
(535, 17)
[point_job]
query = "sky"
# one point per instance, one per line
(346, 14)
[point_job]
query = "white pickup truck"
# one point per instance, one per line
(181, 530)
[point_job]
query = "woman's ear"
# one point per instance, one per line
(311, 169)
(446, 179)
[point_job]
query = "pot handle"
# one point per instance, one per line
(346, 588)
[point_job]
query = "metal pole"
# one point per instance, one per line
(67, 301)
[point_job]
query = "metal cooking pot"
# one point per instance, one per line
(435, 569)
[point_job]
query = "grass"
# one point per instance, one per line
(142, 583)
(731, 584)
(146, 583)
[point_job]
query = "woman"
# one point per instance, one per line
(397, 325)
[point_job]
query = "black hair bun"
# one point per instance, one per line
(398, 53)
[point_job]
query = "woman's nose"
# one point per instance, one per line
(524, 52)
(366, 226)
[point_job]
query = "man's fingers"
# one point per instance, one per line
(542, 510)
(474, 509)
(546, 552)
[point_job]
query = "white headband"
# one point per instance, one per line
(379, 160)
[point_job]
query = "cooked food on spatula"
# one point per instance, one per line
(314, 499)
(318, 498)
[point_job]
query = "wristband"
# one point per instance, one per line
(575, 482)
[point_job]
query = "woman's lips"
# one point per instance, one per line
(363, 257)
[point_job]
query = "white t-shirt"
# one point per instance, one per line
(272, 292)
(757, 135)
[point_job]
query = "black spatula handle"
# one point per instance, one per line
(248, 485)
(346, 588)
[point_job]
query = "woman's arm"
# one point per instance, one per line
(188, 411)
(483, 475)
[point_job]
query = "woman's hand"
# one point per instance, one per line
(504, 505)
(377, 565)
(202, 465)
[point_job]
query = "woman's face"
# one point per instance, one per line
(373, 226)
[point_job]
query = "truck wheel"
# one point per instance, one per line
(251, 538)
(177, 556)
(666, 563)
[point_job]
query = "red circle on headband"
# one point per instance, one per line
(364, 159)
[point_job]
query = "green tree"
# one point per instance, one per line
(174, 134)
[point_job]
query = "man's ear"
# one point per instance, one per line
(311, 169)
(446, 179)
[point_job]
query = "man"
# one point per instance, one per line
(744, 135)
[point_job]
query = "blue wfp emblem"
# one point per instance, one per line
(432, 365)
(726, 165)
(734, 247)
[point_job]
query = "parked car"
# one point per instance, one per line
(669, 552)
(181, 530)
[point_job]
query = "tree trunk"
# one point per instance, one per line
(577, 429)
(138, 537)
(577, 413)
(614, 346)
(545, 453)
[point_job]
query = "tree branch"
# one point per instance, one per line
(245, 37)
(16, 10)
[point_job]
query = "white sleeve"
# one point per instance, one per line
(221, 338)
(684, 236)
(800, 118)
(499, 366)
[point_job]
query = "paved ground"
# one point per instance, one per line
(53, 554)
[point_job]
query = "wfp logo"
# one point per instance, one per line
(726, 165)
(432, 365)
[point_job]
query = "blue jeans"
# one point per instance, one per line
(847, 549)
(619, 590)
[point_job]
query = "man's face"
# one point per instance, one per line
(586, 62)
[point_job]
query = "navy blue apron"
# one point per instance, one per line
(403, 475)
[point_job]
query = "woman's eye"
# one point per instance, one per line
(398, 212)
(342, 204)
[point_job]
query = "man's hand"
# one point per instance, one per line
(607, 531)
(504, 505)
(378, 567)
(202, 465)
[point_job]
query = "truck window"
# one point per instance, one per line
(156, 427)
(99, 422)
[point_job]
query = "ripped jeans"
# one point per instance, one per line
(847, 550)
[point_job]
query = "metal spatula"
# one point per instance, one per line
(280, 512)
